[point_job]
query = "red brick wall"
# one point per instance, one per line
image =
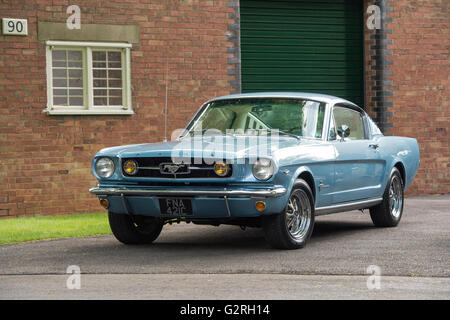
(421, 93)
(417, 76)
(45, 160)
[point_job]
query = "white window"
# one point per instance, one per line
(88, 78)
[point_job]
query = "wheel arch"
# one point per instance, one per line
(309, 179)
(401, 168)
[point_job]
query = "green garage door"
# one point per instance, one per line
(303, 45)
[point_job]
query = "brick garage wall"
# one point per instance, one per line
(412, 53)
(378, 84)
(420, 81)
(45, 160)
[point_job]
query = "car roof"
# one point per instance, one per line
(299, 95)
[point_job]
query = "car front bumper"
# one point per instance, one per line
(206, 202)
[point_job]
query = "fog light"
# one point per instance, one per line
(260, 205)
(104, 203)
(221, 169)
(130, 167)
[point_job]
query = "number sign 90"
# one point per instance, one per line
(14, 27)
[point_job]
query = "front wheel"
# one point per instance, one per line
(292, 228)
(389, 212)
(134, 229)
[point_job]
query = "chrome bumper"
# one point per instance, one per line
(254, 193)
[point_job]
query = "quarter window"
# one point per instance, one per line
(374, 130)
(88, 78)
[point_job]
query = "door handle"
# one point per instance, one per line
(374, 146)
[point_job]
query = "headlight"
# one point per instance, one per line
(221, 169)
(263, 169)
(130, 167)
(104, 167)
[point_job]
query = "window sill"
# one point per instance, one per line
(60, 112)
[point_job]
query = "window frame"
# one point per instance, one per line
(88, 88)
(203, 109)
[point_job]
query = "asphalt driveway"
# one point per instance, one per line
(413, 259)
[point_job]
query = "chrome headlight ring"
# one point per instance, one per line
(263, 169)
(104, 167)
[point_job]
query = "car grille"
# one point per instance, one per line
(151, 167)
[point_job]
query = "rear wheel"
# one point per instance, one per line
(134, 229)
(292, 228)
(389, 212)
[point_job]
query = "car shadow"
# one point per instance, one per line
(327, 229)
(210, 240)
(224, 237)
(198, 248)
(234, 238)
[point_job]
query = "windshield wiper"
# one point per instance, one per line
(192, 133)
(202, 133)
(285, 133)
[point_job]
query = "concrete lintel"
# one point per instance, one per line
(88, 32)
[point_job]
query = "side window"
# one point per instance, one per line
(352, 119)
(374, 130)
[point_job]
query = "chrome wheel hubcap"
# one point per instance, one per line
(395, 197)
(298, 215)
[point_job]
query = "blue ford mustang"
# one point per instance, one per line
(270, 160)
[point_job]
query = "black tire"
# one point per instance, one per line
(388, 214)
(136, 229)
(277, 232)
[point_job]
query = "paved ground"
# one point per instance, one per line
(414, 260)
(221, 286)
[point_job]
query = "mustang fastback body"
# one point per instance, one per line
(273, 160)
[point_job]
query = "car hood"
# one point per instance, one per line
(225, 147)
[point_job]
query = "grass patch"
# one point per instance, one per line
(52, 227)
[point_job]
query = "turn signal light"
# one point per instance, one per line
(260, 205)
(104, 203)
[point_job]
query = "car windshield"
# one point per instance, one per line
(254, 116)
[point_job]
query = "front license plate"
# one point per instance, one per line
(176, 206)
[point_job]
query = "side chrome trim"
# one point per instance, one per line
(276, 192)
(347, 206)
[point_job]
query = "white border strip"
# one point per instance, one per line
(90, 44)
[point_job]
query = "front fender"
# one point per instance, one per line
(288, 175)
(300, 170)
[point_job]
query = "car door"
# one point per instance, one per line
(358, 167)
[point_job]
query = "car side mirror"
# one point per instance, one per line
(343, 131)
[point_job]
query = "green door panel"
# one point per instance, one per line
(300, 45)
